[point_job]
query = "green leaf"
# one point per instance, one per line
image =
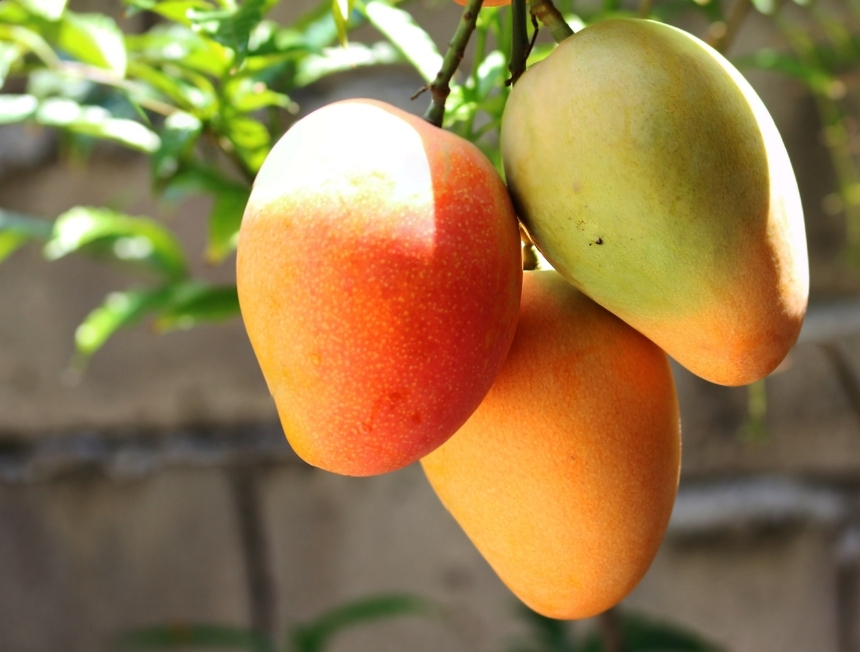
(15, 108)
(93, 39)
(317, 26)
(787, 64)
(246, 94)
(119, 309)
(29, 40)
(340, 59)
(136, 241)
(176, 90)
(314, 636)
(181, 131)
(407, 36)
(182, 47)
(231, 27)
(195, 303)
(17, 229)
(201, 180)
(47, 9)
(188, 635)
(97, 121)
(491, 73)
(25, 226)
(224, 222)
(230, 199)
(9, 54)
(341, 10)
(251, 140)
(9, 243)
(45, 83)
(548, 634)
(766, 7)
(173, 10)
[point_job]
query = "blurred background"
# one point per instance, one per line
(153, 487)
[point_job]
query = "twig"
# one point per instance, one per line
(441, 86)
(721, 35)
(545, 11)
(529, 252)
(519, 41)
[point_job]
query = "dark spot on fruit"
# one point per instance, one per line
(599, 240)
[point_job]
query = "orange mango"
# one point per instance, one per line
(565, 476)
(379, 280)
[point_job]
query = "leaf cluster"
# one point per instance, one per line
(204, 93)
(207, 89)
(636, 633)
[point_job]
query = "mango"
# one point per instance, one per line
(649, 174)
(379, 278)
(564, 478)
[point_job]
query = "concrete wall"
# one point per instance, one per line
(157, 488)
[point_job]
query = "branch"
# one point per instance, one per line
(546, 12)
(519, 40)
(441, 88)
(721, 35)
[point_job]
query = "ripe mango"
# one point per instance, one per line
(649, 174)
(379, 280)
(564, 478)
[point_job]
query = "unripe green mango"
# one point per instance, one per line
(651, 176)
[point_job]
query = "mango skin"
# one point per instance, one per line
(379, 280)
(650, 175)
(564, 478)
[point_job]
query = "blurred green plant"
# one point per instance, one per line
(617, 631)
(633, 632)
(207, 90)
(313, 636)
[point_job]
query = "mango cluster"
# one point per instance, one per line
(381, 284)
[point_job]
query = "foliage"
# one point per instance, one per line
(638, 633)
(207, 90)
(313, 636)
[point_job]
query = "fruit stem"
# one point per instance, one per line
(528, 251)
(441, 88)
(546, 12)
(519, 39)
